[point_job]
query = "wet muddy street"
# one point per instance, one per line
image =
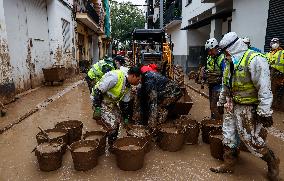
(191, 163)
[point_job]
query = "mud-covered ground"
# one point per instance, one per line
(191, 163)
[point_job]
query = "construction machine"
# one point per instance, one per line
(153, 46)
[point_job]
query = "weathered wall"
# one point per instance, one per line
(28, 42)
(61, 34)
(7, 86)
(256, 18)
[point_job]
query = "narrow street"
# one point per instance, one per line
(191, 163)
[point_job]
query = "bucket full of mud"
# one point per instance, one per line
(99, 136)
(142, 132)
(54, 134)
(74, 128)
(216, 145)
(208, 125)
(191, 130)
(171, 137)
(49, 156)
(84, 154)
(129, 152)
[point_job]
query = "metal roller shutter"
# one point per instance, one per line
(275, 22)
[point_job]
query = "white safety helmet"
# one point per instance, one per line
(246, 40)
(211, 43)
(274, 40)
(274, 43)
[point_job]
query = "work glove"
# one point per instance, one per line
(221, 109)
(97, 113)
(265, 121)
(126, 121)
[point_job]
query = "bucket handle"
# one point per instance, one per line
(145, 144)
(68, 147)
(45, 133)
(34, 149)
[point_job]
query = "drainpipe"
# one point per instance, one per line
(161, 14)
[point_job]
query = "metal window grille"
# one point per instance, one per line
(66, 35)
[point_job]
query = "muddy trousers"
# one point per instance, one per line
(278, 92)
(111, 118)
(214, 93)
(90, 83)
(240, 125)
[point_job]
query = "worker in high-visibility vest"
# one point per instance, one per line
(276, 60)
(113, 89)
(98, 70)
(214, 70)
(251, 114)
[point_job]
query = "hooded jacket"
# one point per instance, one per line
(259, 70)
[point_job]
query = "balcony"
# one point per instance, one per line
(86, 13)
(172, 15)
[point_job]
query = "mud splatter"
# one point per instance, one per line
(5, 66)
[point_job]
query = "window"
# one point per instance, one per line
(66, 32)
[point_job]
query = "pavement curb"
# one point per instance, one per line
(42, 105)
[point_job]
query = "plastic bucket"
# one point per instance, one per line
(216, 144)
(74, 128)
(171, 137)
(84, 154)
(129, 152)
(56, 135)
(191, 130)
(99, 136)
(140, 131)
(49, 156)
(208, 125)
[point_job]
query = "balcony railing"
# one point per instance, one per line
(172, 13)
(83, 6)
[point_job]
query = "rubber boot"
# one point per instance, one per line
(273, 165)
(230, 159)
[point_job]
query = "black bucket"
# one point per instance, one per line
(191, 130)
(208, 125)
(99, 136)
(171, 137)
(216, 144)
(49, 156)
(74, 128)
(84, 154)
(140, 131)
(129, 152)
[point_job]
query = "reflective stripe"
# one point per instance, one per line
(96, 71)
(212, 65)
(279, 64)
(117, 92)
(243, 89)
